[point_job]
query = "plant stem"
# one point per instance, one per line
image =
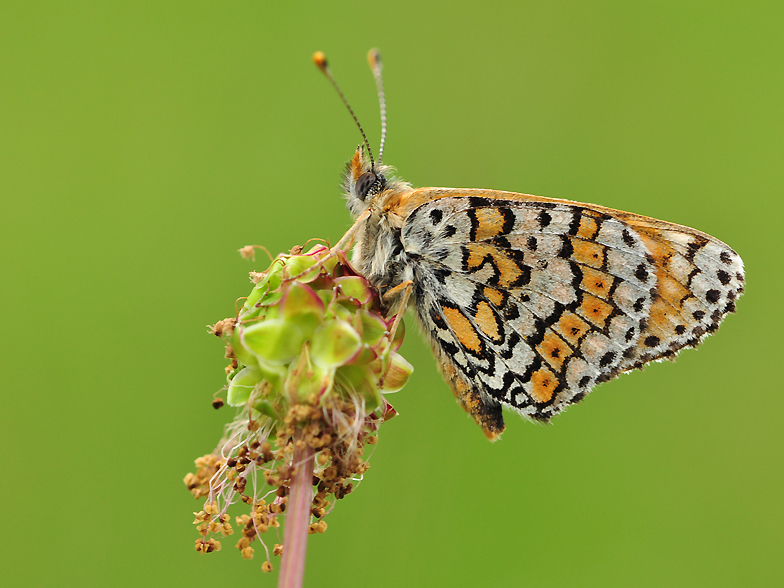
(292, 568)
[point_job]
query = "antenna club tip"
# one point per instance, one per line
(320, 60)
(374, 58)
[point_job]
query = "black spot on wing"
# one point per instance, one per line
(437, 319)
(641, 273)
(509, 219)
(511, 342)
(607, 359)
(511, 312)
(479, 202)
(540, 328)
(503, 243)
(695, 246)
(637, 306)
(566, 248)
(474, 224)
(440, 273)
(574, 224)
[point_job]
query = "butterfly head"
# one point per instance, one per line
(363, 181)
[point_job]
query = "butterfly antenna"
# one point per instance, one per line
(321, 62)
(374, 59)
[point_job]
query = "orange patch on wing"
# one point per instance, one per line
(667, 285)
(553, 350)
(487, 321)
(595, 310)
(543, 384)
(588, 253)
(507, 268)
(508, 271)
(477, 253)
(571, 327)
(671, 290)
(661, 313)
(654, 243)
(462, 329)
(494, 296)
(588, 227)
(596, 282)
(490, 223)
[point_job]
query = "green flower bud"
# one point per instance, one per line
(242, 385)
(273, 341)
(311, 327)
(335, 343)
(312, 355)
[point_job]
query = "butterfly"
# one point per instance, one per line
(529, 302)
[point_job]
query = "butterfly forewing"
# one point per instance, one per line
(533, 301)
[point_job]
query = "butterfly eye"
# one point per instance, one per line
(364, 184)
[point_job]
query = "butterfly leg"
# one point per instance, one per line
(348, 237)
(402, 292)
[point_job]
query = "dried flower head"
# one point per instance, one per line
(311, 356)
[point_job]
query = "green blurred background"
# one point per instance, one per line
(141, 144)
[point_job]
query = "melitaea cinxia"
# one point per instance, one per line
(528, 302)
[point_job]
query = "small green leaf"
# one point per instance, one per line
(399, 334)
(255, 295)
(265, 407)
(273, 341)
(242, 385)
(359, 379)
(300, 298)
(240, 351)
(397, 375)
(302, 306)
(374, 328)
(306, 382)
(355, 287)
(334, 343)
(298, 264)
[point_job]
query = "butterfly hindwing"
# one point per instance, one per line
(533, 301)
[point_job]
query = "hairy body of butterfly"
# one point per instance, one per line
(528, 302)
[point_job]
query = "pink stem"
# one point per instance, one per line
(292, 569)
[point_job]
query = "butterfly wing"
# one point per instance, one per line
(530, 302)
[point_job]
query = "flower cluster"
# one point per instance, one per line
(312, 354)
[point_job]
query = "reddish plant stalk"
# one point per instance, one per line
(292, 568)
